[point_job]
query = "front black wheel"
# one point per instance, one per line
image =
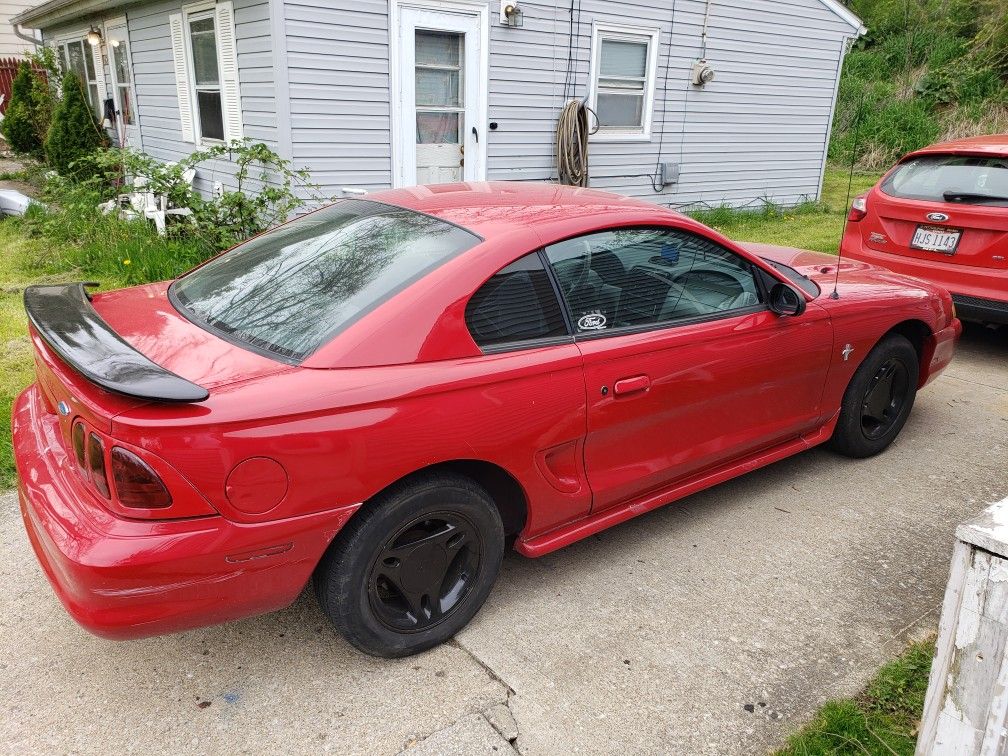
(878, 400)
(413, 567)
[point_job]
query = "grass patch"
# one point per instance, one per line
(882, 720)
(812, 225)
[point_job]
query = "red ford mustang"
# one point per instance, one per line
(380, 395)
(941, 214)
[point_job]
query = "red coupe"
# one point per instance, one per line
(381, 395)
(941, 214)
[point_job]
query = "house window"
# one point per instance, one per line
(622, 83)
(206, 76)
(206, 72)
(76, 56)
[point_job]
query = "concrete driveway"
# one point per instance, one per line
(716, 625)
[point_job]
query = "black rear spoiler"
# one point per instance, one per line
(64, 318)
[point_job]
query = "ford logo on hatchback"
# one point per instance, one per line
(63, 408)
(937, 217)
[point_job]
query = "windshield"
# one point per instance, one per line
(289, 291)
(951, 178)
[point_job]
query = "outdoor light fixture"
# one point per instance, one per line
(510, 13)
(94, 37)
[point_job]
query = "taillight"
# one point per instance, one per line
(96, 464)
(858, 209)
(77, 439)
(136, 484)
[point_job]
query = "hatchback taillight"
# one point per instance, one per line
(77, 439)
(136, 484)
(858, 209)
(96, 464)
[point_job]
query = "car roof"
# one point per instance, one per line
(991, 144)
(489, 207)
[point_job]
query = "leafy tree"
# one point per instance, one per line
(17, 126)
(74, 132)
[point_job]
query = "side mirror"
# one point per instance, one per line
(786, 301)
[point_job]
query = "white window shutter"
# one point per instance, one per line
(227, 58)
(99, 68)
(182, 77)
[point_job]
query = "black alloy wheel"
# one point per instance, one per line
(884, 399)
(424, 571)
(413, 565)
(878, 398)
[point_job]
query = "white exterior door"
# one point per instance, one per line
(127, 125)
(442, 96)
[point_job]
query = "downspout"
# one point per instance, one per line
(27, 38)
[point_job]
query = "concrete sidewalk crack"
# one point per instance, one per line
(499, 715)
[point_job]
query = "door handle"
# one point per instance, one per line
(632, 385)
(475, 134)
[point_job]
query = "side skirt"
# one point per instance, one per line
(575, 531)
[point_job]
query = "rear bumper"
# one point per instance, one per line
(980, 309)
(124, 578)
(979, 293)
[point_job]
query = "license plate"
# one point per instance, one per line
(936, 239)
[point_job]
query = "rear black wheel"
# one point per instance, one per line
(412, 568)
(878, 400)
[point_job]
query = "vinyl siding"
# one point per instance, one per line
(10, 44)
(757, 131)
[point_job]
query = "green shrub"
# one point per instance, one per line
(17, 126)
(74, 132)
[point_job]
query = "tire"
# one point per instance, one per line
(869, 420)
(413, 566)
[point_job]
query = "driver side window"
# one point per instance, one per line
(642, 276)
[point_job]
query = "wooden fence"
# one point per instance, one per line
(8, 70)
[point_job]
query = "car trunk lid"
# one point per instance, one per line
(97, 357)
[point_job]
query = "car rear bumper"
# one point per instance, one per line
(980, 309)
(979, 293)
(124, 578)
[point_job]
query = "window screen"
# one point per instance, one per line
(517, 304)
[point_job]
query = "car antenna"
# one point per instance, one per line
(850, 183)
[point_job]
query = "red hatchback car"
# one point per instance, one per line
(380, 395)
(941, 214)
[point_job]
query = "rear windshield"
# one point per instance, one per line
(289, 291)
(951, 178)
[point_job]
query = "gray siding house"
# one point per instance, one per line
(369, 94)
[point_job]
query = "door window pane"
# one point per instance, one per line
(120, 61)
(437, 128)
(632, 277)
(211, 117)
(437, 87)
(517, 304)
(126, 104)
(75, 52)
(438, 48)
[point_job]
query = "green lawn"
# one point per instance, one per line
(881, 721)
(814, 225)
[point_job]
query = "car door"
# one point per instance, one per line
(685, 366)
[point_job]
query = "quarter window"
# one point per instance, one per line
(644, 276)
(623, 68)
(518, 304)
